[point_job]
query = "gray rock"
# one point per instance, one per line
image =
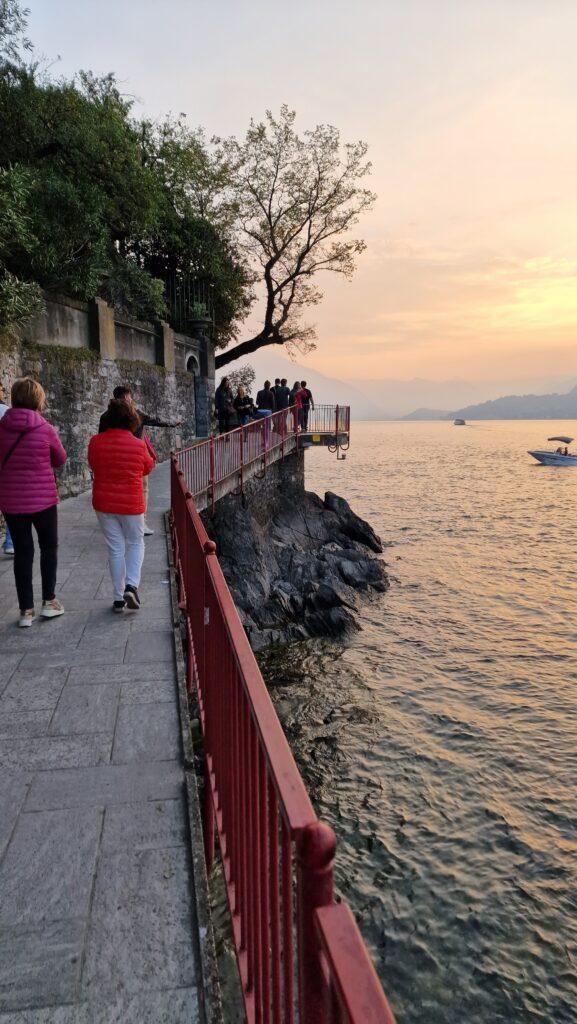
(297, 574)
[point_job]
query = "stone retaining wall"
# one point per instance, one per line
(79, 384)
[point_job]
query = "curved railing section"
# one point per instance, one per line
(300, 955)
(216, 466)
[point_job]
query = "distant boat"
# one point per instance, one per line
(459, 423)
(557, 458)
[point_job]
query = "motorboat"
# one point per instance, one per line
(559, 457)
(459, 423)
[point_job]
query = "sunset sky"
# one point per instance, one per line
(470, 112)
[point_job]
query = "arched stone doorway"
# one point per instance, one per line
(192, 364)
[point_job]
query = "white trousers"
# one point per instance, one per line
(124, 536)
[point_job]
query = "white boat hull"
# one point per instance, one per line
(552, 459)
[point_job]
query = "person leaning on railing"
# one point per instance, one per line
(265, 400)
(244, 406)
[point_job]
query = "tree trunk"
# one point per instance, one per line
(245, 348)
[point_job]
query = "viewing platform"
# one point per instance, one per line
(224, 464)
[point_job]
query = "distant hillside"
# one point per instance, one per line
(524, 407)
(270, 363)
(428, 414)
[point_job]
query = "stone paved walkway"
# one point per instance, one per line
(95, 892)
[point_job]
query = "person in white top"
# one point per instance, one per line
(7, 546)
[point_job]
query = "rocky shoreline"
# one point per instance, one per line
(301, 571)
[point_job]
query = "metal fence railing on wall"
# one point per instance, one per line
(300, 955)
(189, 300)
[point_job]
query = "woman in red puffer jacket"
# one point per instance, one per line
(119, 461)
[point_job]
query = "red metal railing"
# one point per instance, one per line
(211, 462)
(299, 957)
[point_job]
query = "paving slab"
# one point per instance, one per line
(44, 876)
(175, 1006)
(24, 723)
(89, 674)
(95, 883)
(124, 954)
(14, 787)
(46, 752)
(146, 732)
(105, 786)
(37, 690)
(149, 647)
(147, 691)
(83, 710)
(40, 963)
(152, 824)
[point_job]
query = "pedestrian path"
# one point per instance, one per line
(95, 887)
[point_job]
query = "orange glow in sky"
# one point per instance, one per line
(470, 113)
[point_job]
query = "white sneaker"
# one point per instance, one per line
(147, 531)
(50, 609)
(8, 549)
(26, 618)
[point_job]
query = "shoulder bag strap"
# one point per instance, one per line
(11, 450)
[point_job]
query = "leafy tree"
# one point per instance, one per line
(88, 189)
(13, 23)
(297, 200)
(119, 204)
(194, 232)
(19, 300)
(244, 375)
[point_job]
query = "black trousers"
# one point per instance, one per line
(224, 421)
(46, 525)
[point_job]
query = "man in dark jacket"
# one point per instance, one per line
(223, 401)
(282, 395)
(265, 398)
(122, 393)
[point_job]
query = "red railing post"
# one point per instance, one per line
(208, 821)
(241, 457)
(211, 477)
(316, 847)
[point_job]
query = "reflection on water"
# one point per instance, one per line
(441, 742)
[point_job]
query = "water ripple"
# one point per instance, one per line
(442, 743)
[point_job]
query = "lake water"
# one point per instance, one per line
(441, 741)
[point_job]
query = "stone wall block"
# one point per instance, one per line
(103, 332)
(168, 355)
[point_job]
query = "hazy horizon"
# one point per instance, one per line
(470, 117)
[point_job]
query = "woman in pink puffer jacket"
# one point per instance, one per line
(29, 450)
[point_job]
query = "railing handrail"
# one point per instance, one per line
(291, 408)
(353, 979)
(290, 787)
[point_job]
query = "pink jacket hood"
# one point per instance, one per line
(27, 483)
(17, 420)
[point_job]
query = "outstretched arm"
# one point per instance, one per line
(150, 421)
